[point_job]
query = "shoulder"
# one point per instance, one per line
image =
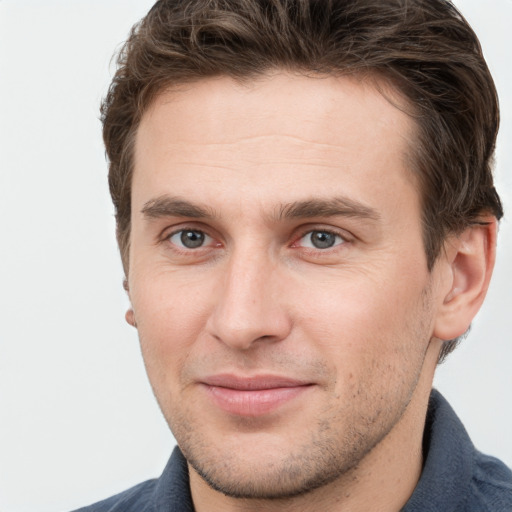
(136, 499)
(491, 485)
(456, 477)
(169, 493)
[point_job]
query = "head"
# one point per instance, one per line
(423, 49)
(318, 282)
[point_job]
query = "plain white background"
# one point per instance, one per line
(77, 418)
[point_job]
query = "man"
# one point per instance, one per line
(307, 221)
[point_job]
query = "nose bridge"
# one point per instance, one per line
(248, 308)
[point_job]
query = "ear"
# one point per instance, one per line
(129, 315)
(469, 259)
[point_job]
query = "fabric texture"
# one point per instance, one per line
(455, 478)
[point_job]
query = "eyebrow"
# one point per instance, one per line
(338, 206)
(166, 206)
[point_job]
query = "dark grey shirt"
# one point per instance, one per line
(455, 478)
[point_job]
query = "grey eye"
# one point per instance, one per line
(321, 240)
(189, 238)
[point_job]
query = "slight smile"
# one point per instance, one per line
(252, 396)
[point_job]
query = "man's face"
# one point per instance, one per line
(278, 276)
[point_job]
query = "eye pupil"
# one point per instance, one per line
(322, 239)
(192, 239)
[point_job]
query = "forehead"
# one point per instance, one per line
(287, 127)
(281, 96)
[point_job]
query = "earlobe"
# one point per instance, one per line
(130, 317)
(470, 258)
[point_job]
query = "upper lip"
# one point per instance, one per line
(252, 383)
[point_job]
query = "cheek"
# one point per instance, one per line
(374, 346)
(362, 322)
(170, 318)
(357, 304)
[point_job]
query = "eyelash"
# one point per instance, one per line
(342, 236)
(168, 237)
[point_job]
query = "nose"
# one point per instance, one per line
(249, 307)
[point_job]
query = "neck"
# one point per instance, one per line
(383, 481)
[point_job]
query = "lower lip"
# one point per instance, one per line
(255, 402)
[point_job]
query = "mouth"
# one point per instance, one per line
(252, 396)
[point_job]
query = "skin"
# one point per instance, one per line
(252, 172)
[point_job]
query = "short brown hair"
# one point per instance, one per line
(424, 48)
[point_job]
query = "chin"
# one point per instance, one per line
(269, 469)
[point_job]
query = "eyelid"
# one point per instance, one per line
(207, 239)
(300, 233)
(305, 230)
(333, 241)
(170, 231)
